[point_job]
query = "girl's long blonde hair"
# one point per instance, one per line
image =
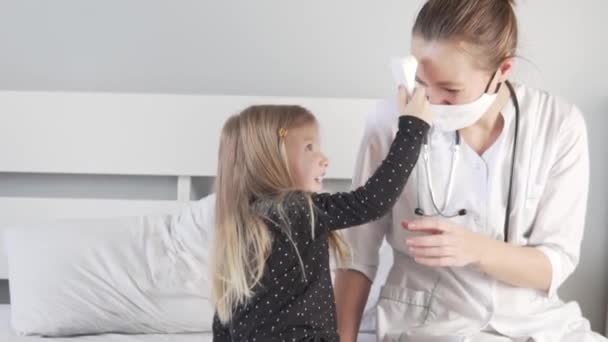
(252, 169)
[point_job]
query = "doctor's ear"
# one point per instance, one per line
(505, 69)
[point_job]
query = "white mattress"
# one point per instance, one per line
(8, 335)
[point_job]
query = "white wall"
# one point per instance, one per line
(300, 48)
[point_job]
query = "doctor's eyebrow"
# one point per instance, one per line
(418, 80)
(443, 84)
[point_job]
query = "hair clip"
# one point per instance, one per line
(283, 132)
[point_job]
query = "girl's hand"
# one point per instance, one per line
(417, 105)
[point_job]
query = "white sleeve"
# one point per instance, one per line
(365, 240)
(560, 220)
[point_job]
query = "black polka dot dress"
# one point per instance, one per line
(295, 300)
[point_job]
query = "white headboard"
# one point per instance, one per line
(138, 134)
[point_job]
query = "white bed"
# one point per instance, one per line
(7, 335)
(136, 135)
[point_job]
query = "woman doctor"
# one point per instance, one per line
(490, 224)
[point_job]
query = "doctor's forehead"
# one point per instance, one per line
(443, 58)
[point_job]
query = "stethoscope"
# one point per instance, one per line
(441, 210)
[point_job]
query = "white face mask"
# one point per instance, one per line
(446, 117)
(455, 117)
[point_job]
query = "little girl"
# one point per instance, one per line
(271, 279)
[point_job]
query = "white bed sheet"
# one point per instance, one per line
(8, 335)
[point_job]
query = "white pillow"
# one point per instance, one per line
(128, 275)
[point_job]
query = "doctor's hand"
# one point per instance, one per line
(417, 105)
(447, 244)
